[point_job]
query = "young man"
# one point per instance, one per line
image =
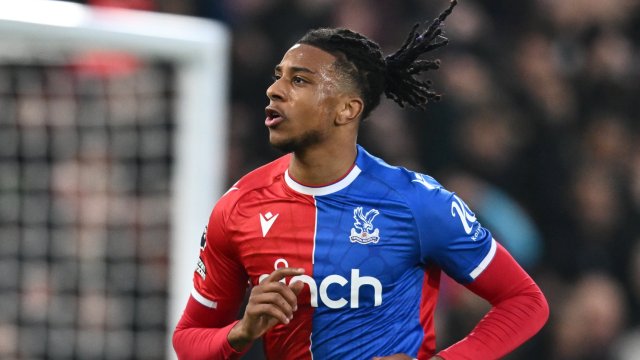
(344, 252)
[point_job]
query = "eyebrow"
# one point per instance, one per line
(296, 69)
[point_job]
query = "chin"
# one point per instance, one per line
(280, 143)
(284, 146)
(298, 143)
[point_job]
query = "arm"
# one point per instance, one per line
(206, 333)
(198, 334)
(219, 285)
(452, 238)
(519, 310)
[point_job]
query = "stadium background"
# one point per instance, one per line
(538, 130)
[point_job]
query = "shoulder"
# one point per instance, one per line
(264, 175)
(410, 184)
(429, 201)
(259, 178)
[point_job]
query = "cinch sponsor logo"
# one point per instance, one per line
(356, 282)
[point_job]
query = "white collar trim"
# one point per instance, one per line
(323, 190)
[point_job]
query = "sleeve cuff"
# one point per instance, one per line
(229, 350)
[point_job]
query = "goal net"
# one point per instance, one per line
(112, 151)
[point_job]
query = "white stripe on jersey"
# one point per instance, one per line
(202, 300)
(485, 262)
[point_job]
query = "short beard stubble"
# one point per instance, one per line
(299, 143)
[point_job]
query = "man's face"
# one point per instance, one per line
(303, 99)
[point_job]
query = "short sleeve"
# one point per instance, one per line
(219, 278)
(450, 234)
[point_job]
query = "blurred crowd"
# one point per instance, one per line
(84, 212)
(537, 129)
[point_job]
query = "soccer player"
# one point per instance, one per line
(343, 252)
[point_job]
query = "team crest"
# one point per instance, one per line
(364, 232)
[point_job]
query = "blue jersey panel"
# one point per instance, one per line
(373, 241)
(367, 262)
(448, 231)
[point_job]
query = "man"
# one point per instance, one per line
(344, 252)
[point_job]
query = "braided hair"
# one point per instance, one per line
(362, 60)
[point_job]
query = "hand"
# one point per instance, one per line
(402, 357)
(394, 357)
(271, 302)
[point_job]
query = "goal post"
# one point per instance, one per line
(200, 51)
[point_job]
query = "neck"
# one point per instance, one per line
(319, 166)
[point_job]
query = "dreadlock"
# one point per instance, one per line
(395, 75)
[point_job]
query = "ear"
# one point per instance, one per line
(349, 111)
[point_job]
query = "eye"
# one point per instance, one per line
(298, 80)
(276, 77)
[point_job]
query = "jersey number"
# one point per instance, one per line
(464, 214)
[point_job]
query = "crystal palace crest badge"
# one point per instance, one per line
(363, 231)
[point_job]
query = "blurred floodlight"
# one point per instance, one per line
(54, 13)
(136, 30)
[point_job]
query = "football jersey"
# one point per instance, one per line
(372, 245)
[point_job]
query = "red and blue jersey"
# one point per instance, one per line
(372, 245)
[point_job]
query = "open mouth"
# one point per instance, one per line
(273, 117)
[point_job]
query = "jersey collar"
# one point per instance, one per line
(323, 190)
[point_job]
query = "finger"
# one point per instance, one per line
(273, 299)
(270, 285)
(286, 292)
(296, 287)
(283, 273)
(268, 310)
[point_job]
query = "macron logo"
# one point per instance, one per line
(266, 221)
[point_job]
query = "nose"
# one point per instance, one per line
(275, 91)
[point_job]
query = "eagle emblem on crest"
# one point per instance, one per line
(363, 231)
